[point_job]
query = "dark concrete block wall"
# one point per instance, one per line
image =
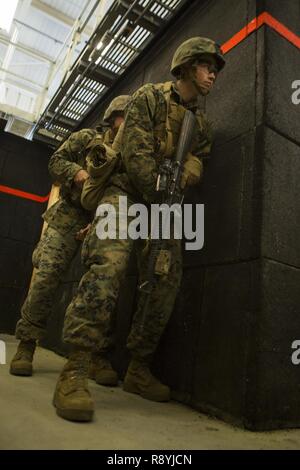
(227, 349)
(204, 353)
(23, 166)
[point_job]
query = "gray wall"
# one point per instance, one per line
(23, 166)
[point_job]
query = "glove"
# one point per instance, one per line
(192, 171)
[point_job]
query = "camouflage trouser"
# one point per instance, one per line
(52, 258)
(90, 313)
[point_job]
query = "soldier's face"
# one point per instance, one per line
(206, 71)
(118, 121)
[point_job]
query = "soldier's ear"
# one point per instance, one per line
(184, 72)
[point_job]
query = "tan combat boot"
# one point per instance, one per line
(21, 363)
(102, 372)
(72, 398)
(139, 380)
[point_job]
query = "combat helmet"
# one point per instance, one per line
(193, 48)
(118, 104)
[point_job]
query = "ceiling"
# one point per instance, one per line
(42, 44)
(60, 57)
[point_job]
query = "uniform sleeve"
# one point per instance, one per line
(138, 143)
(204, 139)
(63, 164)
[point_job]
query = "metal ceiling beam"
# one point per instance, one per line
(26, 87)
(17, 112)
(57, 15)
(9, 54)
(58, 41)
(64, 121)
(37, 85)
(166, 7)
(27, 50)
(99, 74)
(147, 20)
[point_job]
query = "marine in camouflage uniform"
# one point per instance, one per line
(101, 369)
(67, 223)
(144, 145)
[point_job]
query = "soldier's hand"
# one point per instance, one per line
(192, 171)
(80, 177)
(82, 233)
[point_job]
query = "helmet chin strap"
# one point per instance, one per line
(192, 77)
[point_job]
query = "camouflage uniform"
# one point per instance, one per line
(152, 126)
(92, 308)
(117, 106)
(108, 137)
(58, 245)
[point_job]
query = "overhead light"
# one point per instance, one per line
(102, 54)
(125, 30)
(107, 47)
(102, 47)
(7, 13)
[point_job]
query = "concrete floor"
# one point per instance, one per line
(122, 421)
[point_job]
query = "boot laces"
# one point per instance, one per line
(79, 375)
(24, 352)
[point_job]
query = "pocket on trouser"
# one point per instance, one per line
(57, 252)
(92, 246)
(65, 218)
(37, 252)
(104, 234)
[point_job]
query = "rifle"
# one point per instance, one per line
(168, 184)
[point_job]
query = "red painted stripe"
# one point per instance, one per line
(23, 194)
(256, 23)
(282, 30)
(243, 33)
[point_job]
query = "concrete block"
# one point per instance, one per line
(281, 208)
